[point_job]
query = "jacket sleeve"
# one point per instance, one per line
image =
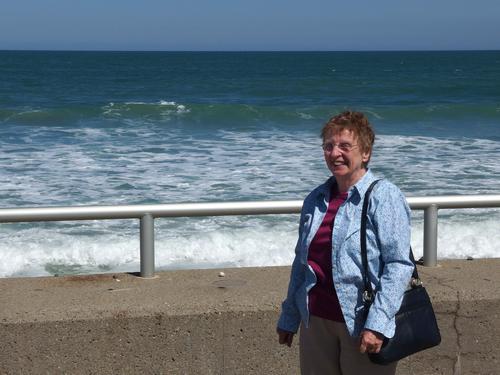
(289, 319)
(391, 221)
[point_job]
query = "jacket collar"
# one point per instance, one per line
(357, 191)
(363, 184)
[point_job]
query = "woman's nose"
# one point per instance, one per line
(336, 151)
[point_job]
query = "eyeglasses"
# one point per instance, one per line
(343, 147)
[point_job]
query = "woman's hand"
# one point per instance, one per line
(285, 337)
(370, 341)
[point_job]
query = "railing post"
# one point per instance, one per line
(430, 235)
(147, 246)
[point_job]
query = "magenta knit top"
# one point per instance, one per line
(323, 301)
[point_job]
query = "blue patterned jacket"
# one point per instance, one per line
(388, 246)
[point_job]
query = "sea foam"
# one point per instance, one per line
(211, 243)
(147, 162)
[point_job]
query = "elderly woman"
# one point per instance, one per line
(326, 284)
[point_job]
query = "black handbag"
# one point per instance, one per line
(416, 326)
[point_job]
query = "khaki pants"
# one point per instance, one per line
(326, 348)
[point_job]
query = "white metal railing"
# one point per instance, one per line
(147, 214)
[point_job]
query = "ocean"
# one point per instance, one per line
(116, 128)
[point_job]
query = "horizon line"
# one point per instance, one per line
(248, 51)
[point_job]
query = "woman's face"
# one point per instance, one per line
(344, 157)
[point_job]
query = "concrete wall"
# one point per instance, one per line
(196, 322)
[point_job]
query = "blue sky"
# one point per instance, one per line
(250, 25)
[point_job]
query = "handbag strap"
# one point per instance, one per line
(368, 292)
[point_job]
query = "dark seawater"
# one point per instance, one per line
(81, 128)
